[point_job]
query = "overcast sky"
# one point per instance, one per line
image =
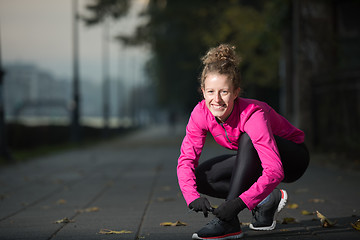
(40, 32)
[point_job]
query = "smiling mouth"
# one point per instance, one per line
(219, 107)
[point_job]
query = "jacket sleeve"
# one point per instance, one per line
(259, 130)
(191, 148)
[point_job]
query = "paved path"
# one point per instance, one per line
(130, 184)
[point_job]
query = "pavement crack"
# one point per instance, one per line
(151, 194)
(47, 196)
(77, 213)
(32, 203)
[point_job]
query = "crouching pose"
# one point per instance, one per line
(269, 150)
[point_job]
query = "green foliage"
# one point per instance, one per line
(100, 9)
(180, 32)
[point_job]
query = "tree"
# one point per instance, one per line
(101, 9)
(179, 33)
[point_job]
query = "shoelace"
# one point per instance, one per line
(214, 221)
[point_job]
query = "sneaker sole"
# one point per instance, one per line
(282, 203)
(227, 236)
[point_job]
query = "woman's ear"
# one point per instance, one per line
(237, 91)
(203, 92)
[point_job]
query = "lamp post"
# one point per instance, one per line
(4, 151)
(106, 81)
(75, 106)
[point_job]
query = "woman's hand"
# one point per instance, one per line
(229, 209)
(201, 204)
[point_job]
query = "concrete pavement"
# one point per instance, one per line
(130, 184)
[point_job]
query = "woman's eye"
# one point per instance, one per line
(225, 92)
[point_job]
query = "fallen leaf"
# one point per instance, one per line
(288, 220)
(356, 225)
(325, 222)
(164, 199)
(316, 200)
(284, 230)
(166, 188)
(173, 224)
(245, 223)
(305, 212)
(292, 206)
(61, 201)
(90, 209)
(166, 224)
(64, 220)
(108, 231)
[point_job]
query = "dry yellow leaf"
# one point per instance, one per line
(305, 212)
(166, 224)
(178, 223)
(292, 206)
(90, 209)
(325, 222)
(61, 201)
(64, 220)
(173, 224)
(288, 220)
(356, 225)
(316, 200)
(108, 231)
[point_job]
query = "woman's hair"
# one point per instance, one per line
(222, 60)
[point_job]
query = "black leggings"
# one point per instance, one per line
(228, 176)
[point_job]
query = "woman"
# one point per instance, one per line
(269, 150)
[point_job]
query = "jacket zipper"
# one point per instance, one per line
(225, 132)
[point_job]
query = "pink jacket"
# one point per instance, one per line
(255, 118)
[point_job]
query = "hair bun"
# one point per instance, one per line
(224, 54)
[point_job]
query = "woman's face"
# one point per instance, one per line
(219, 94)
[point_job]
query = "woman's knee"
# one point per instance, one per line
(295, 159)
(246, 144)
(245, 139)
(203, 183)
(246, 149)
(200, 176)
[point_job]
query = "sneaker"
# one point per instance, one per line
(218, 229)
(264, 215)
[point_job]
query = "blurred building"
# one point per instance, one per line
(35, 96)
(33, 92)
